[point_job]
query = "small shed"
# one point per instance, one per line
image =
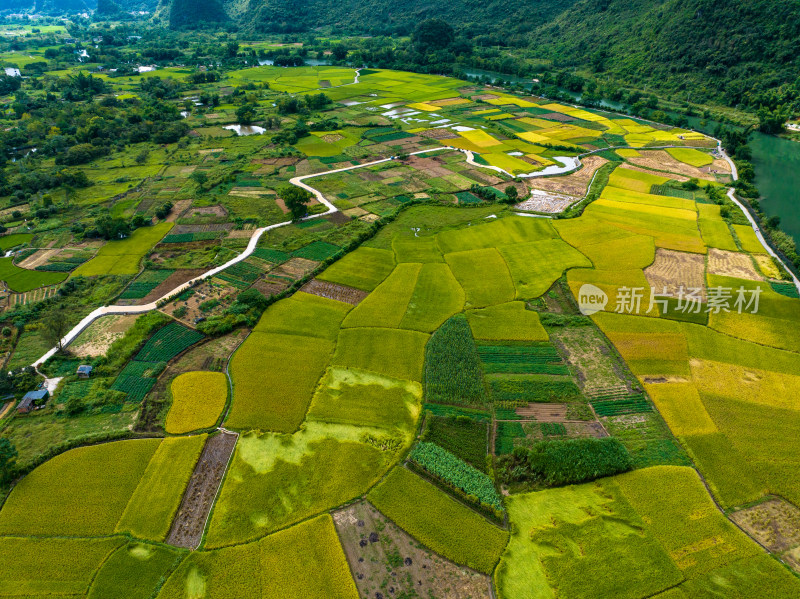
(32, 400)
(84, 371)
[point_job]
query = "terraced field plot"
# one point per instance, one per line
(430, 409)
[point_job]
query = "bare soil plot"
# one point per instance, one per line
(337, 218)
(551, 412)
(218, 210)
(438, 134)
(672, 270)
(179, 277)
(776, 525)
(190, 520)
(294, 269)
(595, 365)
(98, 336)
(334, 291)
(557, 116)
(249, 192)
(38, 258)
(26, 298)
(575, 184)
(732, 264)
(244, 233)
(538, 431)
(6, 409)
(546, 201)
(204, 292)
(178, 209)
(661, 160)
(386, 562)
(269, 288)
(180, 229)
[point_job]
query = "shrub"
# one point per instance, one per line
(565, 462)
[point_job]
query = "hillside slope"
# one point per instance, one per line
(736, 46)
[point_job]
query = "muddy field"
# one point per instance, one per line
(334, 291)
(731, 264)
(98, 337)
(5, 409)
(660, 160)
(205, 291)
(294, 269)
(547, 201)
(179, 277)
(209, 356)
(576, 184)
(672, 270)
(596, 367)
(386, 562)
(776, 525)
(190, 520)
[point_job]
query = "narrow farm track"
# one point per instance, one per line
(251, 246)
(753, 223)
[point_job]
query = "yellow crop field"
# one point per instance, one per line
(637, 197)
(424, 106)
(747, 237)
(755, 385)
(198, 399)
(682, 408)
(480, 138)
(627, 253)
(628, 153)
(634, 180)
(503, 100)
(767, 266)
(691, 156)
(506, 322)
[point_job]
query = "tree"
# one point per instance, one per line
(54, 327)
(772, 121)
(199, 177)
(8, 459)
(245, 114)
(511, 194)
(296, 200)
(339, 52)
(433, 34)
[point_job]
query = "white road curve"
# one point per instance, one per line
(251, 246)
(753, 223)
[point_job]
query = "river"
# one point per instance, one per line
(776, 160)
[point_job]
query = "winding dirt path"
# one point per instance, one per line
(251, 246)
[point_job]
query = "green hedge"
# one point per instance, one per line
(457, 473)
(566, 462)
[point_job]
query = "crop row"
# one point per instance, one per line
(456, 473)
(318, 251)
(189, 237)
(167, 343)
(532, 389)
(453, 372)
(147, 281)
(136, 387)
(270, 255)
(633, 405)
(504, 438)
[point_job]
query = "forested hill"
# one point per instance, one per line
(735, 47)
(506, 17)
